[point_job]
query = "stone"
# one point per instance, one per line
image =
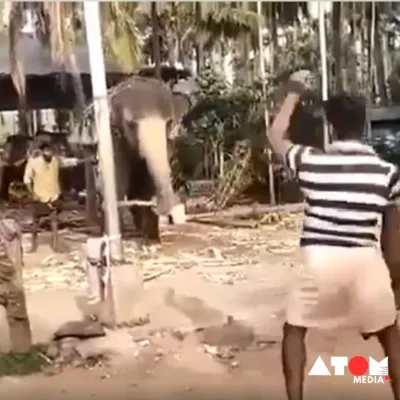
(232, 333)
(80, 329)
(53, 351)
(177, 334)
(68, 343)
(116, 343)
(67, 354)
(139, 333)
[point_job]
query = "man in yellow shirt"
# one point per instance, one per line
(41, 177)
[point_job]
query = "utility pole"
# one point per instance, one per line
(324, 67)
(102, 125)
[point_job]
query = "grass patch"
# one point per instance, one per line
(19, 364)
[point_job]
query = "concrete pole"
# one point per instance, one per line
(324, 67)
(102, 124)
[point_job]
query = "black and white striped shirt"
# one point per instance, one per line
(345, 190)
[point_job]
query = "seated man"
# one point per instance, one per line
(43, 182)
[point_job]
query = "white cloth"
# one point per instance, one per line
(342, 287)
(94, 269)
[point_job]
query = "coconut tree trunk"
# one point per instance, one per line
(378, 58)
(199, 46)
(337, 45)
(17, 71)
(173, 37)
(156, 40)
(245, 50)
(352, 51)
(274, 36)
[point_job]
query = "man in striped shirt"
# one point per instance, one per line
(344, 280)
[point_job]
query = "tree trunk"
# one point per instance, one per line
(227, 62)
(378, 58)
(156, 40)
(245, 50)
(352, 51)
(17, 71)
(173, 37)
(199, 46)
(91, 194)
(337, 45)
(274, 37)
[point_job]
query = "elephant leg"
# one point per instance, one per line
(150, 225)
(146, 222)
(123, 175)
(136, 217)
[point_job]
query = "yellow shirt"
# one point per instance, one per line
(44, 176)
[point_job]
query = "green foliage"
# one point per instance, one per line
(225, 113)
(385, 140)
(12, 364)
(222, 115)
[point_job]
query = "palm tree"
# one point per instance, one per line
(337, 44)
(59, 27)
(155, 38)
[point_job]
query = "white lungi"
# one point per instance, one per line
(339, 287)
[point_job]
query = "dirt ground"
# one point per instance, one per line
(213, 272)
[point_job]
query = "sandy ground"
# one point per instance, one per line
(214, 273)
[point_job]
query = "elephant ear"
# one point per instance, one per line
(136, 98)
(182, 105)
(144, 97)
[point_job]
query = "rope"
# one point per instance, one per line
(106, 239)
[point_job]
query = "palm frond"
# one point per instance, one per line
(16, 67)
(122, 37)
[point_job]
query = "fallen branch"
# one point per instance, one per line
(140, 203)
(244, 212)
(224, 223)
(156, 275)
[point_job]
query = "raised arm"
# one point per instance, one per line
(277, 131)
(291, 154)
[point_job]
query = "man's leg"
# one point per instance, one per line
(55, 243)
(294, 360)
(315, 300)
(35, 228)
(389, 339)
(375, 306)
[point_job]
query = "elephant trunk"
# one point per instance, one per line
(152, 141)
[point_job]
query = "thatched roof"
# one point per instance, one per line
(36, 59)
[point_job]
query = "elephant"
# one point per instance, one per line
(142, 113)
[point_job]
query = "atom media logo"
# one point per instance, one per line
(358, 366)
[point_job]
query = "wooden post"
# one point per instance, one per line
(15, 302)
